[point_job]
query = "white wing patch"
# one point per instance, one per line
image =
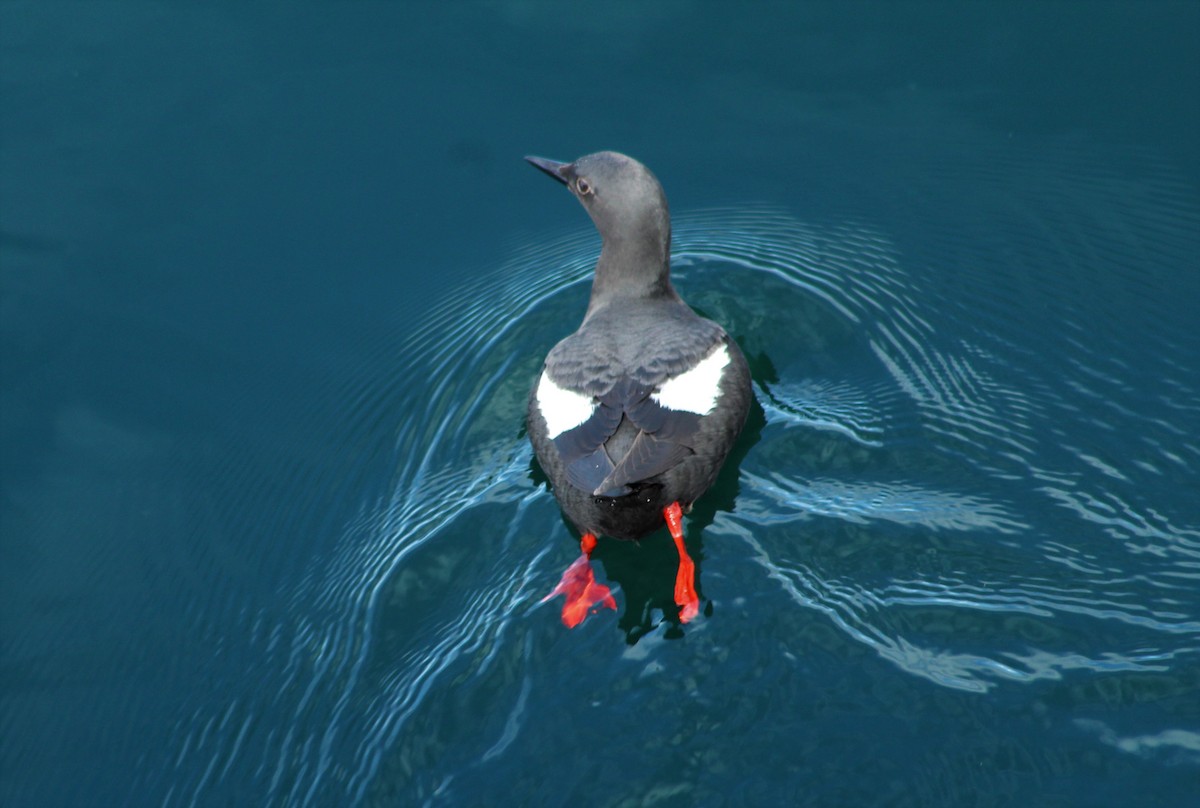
(696, 390)
(563, 409)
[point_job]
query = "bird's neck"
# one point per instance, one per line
(635, 266)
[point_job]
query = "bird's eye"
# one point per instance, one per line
(583, 186)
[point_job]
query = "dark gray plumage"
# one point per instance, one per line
(639, 407)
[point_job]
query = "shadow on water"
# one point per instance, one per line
(895, 484)
(645, 569)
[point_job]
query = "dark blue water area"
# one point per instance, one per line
(275, 283)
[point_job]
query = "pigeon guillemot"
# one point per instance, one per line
(635, 412)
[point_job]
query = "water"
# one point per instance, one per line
(275, 286)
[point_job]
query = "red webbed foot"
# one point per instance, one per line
(580, 587)
(685, 578)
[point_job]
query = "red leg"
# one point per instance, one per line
(580, 587)
(685, 578)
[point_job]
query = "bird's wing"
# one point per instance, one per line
(665, 414)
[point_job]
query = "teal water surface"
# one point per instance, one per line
(276, 282)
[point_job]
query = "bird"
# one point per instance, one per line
(634, 413)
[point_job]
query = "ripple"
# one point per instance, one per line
(775, 498)
(876, 618)
(1173, 746)
(892, 419)
(812, 404)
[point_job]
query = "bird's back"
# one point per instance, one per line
(660, 395)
